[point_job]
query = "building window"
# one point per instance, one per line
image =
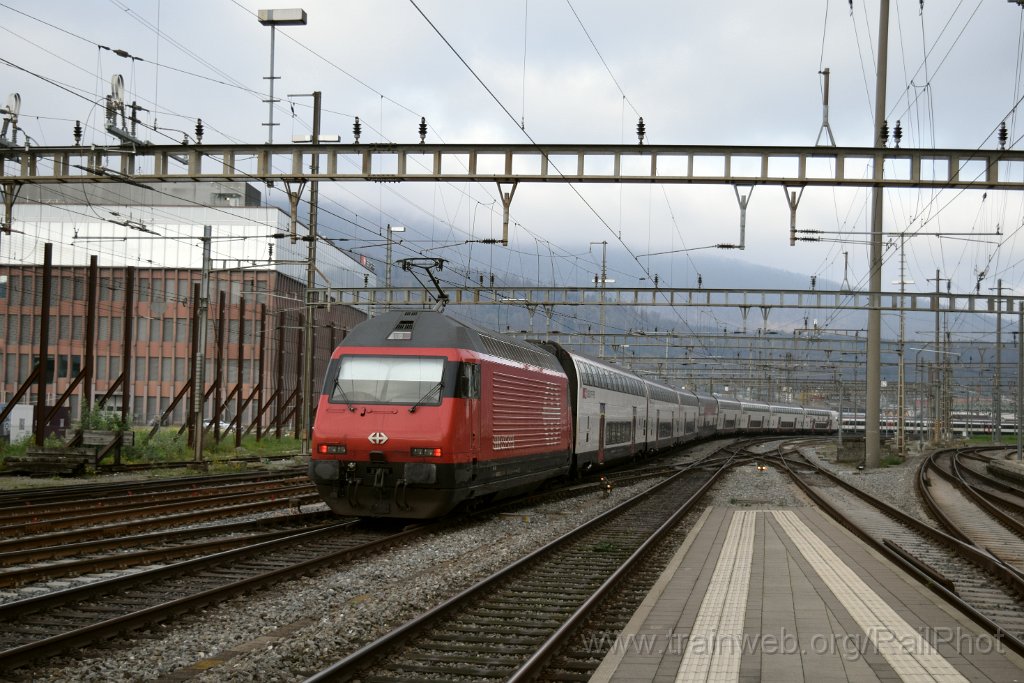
(179, 369)
(115, 329)
(140, 369)
(165, 370)
(168, 324)
(26, 290)
(181, 330)
(79, 289)
(154, 330)
(115, 367)
(103, 333)
(141, 329)
(154, 369)
(77, 325)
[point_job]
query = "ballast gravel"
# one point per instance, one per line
(304, 625)
(323, 617)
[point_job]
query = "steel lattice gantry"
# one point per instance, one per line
(704, 298)
(385, 162)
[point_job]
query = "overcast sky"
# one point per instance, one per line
(741, 72)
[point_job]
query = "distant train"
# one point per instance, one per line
(421, 413)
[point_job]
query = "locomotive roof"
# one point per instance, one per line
(430, 329)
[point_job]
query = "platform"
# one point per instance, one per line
(788, 595)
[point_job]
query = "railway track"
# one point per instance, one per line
(52, 623)
(40, 562)
(48, 624)
(52, 494)
(513, 624)
(979, 584)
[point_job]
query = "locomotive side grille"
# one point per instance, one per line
(527, 412)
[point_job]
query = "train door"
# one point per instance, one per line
(469, 388)
(632, 434)
(600, 437)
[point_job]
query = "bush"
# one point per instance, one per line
(97, 418)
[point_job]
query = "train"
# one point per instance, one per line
(421, 413)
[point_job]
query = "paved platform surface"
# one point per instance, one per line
(788, 595)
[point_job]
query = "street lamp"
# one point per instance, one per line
(274, 18)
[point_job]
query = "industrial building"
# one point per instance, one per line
(147, 240)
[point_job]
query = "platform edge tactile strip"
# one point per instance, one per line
(909, 654)
(713, 650)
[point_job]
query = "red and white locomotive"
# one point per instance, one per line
(420, 413)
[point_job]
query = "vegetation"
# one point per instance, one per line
(166, 445)
(95, 417)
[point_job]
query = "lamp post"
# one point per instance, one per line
(387, 267)
(274, 18)
(307, 334)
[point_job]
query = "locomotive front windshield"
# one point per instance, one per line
(388, 379)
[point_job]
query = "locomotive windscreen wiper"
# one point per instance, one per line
(337, 387)
(437, 387)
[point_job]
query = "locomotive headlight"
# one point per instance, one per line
(427, 452)
(332, 449)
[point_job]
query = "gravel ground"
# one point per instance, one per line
(893, 484)
(318, 619)
(306, 624)
(748, 487)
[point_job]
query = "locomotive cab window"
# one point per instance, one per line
(388, 379)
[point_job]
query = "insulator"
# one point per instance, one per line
(199, 130)
(700, 281)
(78, 133)
(897, 134)
(357, 130)
(883, 134)
(641, 130)
(655, 279)
(423, 129)
(814, 282)
(492, 279)
(1003, 135)
(595, 279)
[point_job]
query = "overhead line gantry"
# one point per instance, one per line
(790, 167)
